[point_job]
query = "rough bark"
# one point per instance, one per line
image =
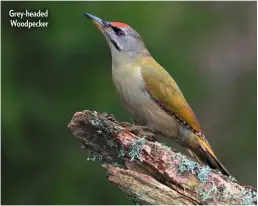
(150, 172)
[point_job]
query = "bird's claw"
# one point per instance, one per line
(138, 129)
(126, 124)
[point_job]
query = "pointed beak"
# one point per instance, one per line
(97, 21)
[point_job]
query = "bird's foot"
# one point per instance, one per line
(138, 129)
(126, 124)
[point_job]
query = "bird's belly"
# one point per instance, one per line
(132, 95)
(144, 110)
(160, 121)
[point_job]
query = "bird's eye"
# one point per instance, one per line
(118, 31)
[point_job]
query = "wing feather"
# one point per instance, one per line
(164, 90)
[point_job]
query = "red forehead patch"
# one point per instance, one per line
(119, 24)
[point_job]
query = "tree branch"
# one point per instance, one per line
(151, 173)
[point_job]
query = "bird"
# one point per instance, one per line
(150, 94)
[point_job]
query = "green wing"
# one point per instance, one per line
(164, 90)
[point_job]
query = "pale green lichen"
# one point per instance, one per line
(111, 143)
(136, 149)
(203, 174)
(92, 156)
(100, 125)
(135, 199)
(103, 129)
(214, 188)
(207, 194)
(247, 196)
(167, 147)
(187, 165)
(228, 194)
(204, 195)
(118, 128)
(95, 122)
(218, 172)
(121, 153)
(232, 179)
(177, 155)
(250, 198)
(116, 164)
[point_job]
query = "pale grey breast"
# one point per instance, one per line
(130, 86)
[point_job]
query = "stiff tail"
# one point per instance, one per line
(205, 154)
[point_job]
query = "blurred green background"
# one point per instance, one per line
(50, 73)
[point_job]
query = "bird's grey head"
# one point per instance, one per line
(122, 39)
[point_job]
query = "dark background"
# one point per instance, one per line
(50, 73)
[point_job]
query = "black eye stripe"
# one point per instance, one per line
(118, 31)
(115, 29)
